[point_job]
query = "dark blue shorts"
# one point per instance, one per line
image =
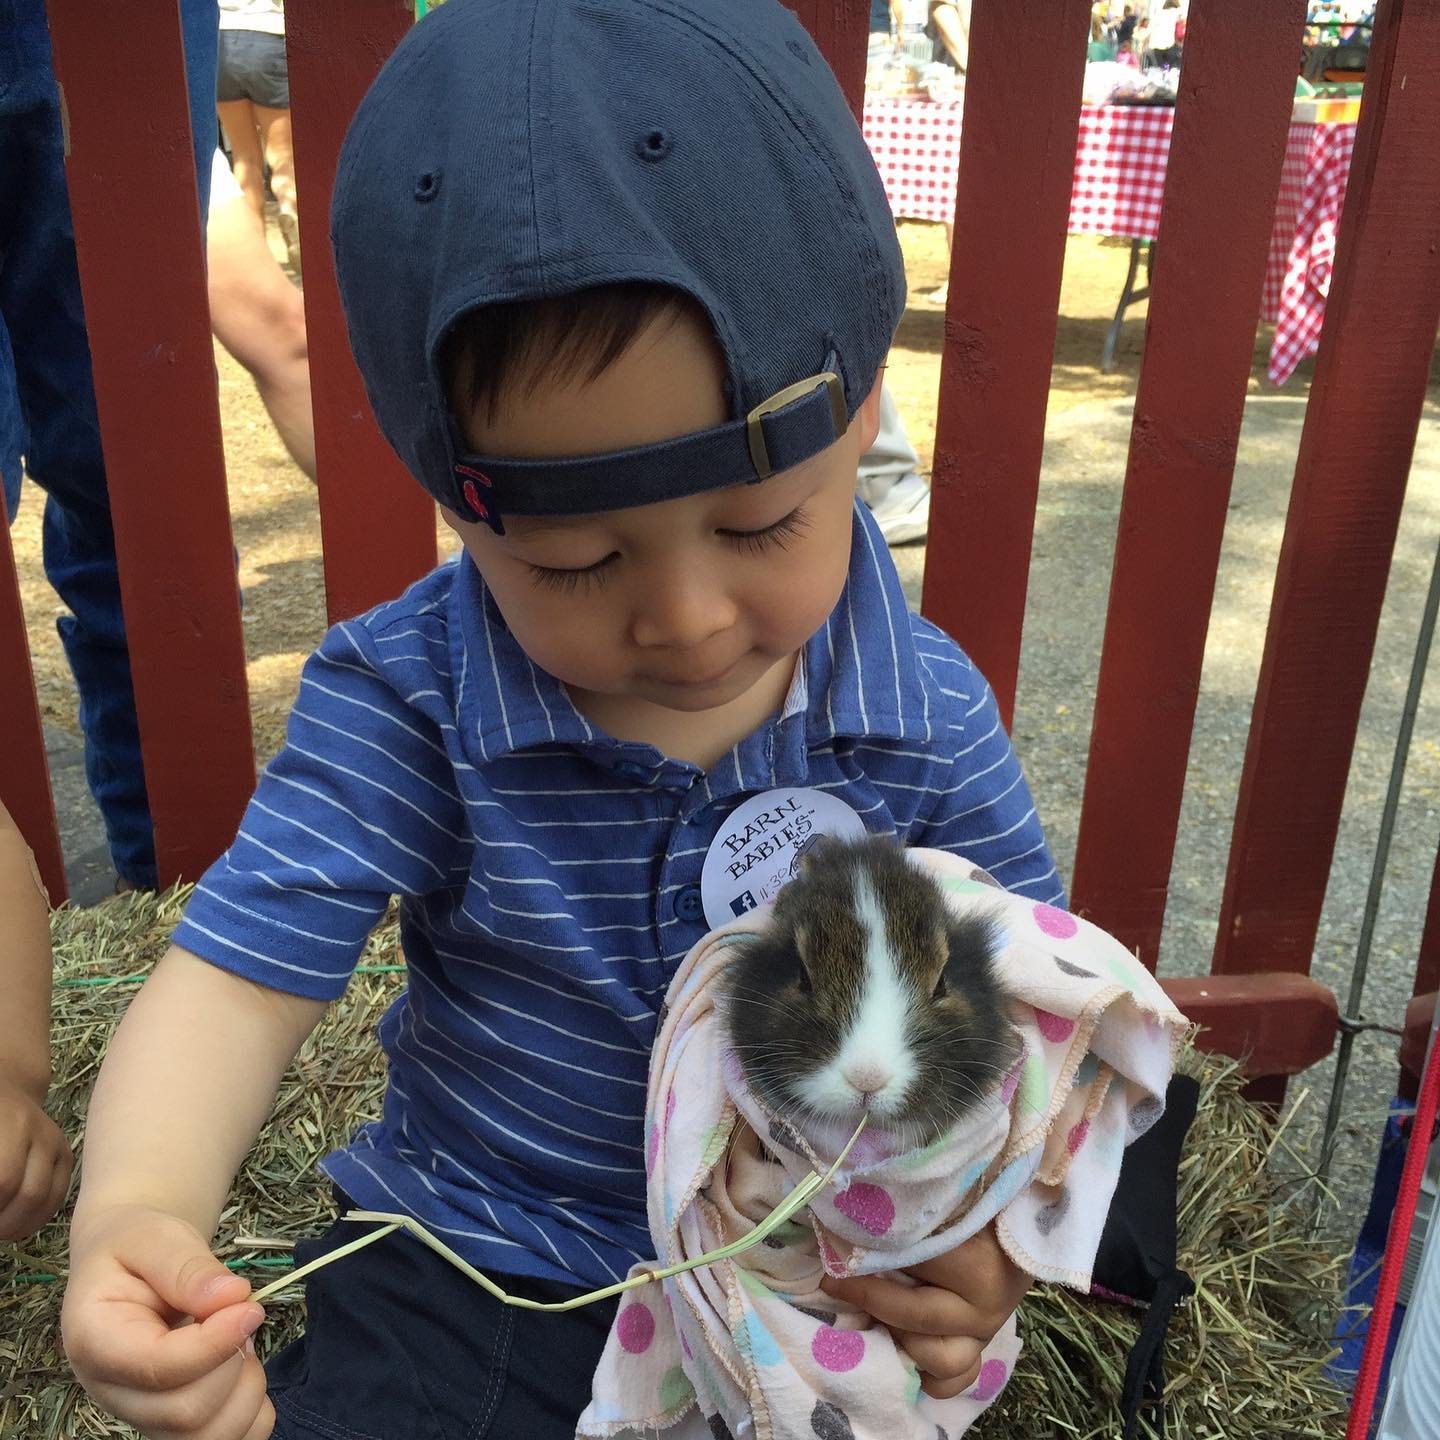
(252, 67)
(400, 1345)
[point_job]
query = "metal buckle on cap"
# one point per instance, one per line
(755, 431)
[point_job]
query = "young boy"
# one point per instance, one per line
(621, 279)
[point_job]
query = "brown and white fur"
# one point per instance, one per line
(867, 994)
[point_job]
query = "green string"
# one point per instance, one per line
(244, 1262)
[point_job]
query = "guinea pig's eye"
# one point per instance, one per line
(940, 991)
(803, 980)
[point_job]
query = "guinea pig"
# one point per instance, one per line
(867, 994)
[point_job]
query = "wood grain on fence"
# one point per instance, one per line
(1371, 374)
(1017, 164)
(1232, 122)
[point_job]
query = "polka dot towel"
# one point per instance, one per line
(753, 1349)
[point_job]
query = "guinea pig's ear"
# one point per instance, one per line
(817, 849)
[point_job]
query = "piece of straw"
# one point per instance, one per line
(797, 1198)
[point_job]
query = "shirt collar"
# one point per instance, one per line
(858, 676)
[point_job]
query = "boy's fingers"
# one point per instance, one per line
(922, 1309)
(943, 1358)
(24, 1212)
(203, 1286)
(223, 1405)
(129, 1345)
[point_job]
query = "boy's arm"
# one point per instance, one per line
(204, 1050)
(24, 968)
(186, 1085)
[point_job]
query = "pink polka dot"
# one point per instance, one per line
(652, 1150)
(669, 1110)
(636, 1327)
(1058, 924)
(834, 1265)
(1076, 1138)
(869, 1206)
(1012, 1083)
(840, 1350)
(993, 1376)
(1054, 1028)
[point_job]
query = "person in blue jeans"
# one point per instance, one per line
(47, 401)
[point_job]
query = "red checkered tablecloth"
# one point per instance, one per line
(1120, 161)
(1312, 193)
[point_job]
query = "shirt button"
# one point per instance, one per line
(689, 906)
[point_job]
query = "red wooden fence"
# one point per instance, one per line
(158, 409)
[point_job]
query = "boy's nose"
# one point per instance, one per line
(683, 611)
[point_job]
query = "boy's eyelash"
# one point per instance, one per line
(788, 528)
(785, 530)
(569, 581)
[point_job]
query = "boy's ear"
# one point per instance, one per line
(867, 418)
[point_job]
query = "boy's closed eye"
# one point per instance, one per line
(780, 534)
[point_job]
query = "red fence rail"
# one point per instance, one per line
(158, 408)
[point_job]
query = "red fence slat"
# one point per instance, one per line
(841, 29)
(1231, 126)
(137, 231)
(25, 776)
(378, 526)
(1355, 453)
(1017, 164)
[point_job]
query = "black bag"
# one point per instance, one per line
(1135, 1264)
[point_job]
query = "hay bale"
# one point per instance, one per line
(1245, 1357)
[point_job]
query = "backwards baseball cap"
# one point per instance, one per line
(517, 150)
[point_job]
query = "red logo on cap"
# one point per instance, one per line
(472, 498)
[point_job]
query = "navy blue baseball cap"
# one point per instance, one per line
(517, 150)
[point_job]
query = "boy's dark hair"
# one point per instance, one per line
(531, 341)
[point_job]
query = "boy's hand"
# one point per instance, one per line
(35, 1161)
(945, 1322)
(158, 1330)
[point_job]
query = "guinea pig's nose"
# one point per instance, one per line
(867, 1076)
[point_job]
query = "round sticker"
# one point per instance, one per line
(760, 844)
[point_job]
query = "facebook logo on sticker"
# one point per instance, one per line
(741, 903)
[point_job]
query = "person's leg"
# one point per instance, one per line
(400, 1345)
(280, 156)
(13, 441)
(237, 119)
(259, 317)
(41, 302)
(952, 22)
(200, 33)
(274, 127)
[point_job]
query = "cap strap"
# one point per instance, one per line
(790, 427)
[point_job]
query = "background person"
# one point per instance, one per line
(253, 98)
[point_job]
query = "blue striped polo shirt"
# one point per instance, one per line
(549, 877)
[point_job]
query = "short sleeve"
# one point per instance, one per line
(359, 805)
(983, 808)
